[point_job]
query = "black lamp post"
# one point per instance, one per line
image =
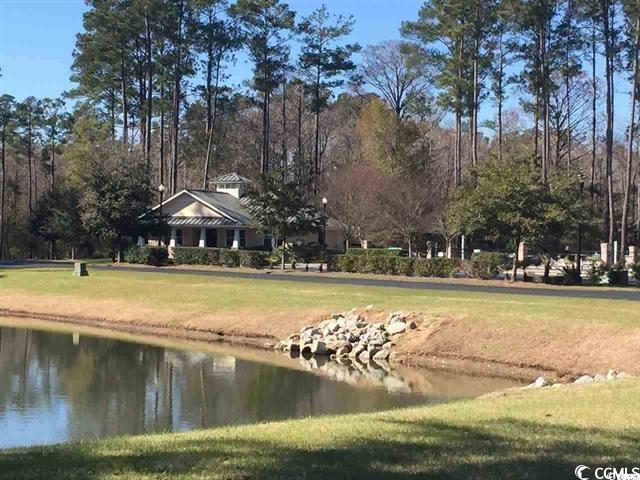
(579, 258)
(324, 229)
(161, 190)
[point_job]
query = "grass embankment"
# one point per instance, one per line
(564, 335)
(529, 434)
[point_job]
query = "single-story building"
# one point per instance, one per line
(221, 218)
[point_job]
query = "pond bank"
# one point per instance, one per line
(541, 434)
(487, 334)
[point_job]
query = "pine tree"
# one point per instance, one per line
(324, 63)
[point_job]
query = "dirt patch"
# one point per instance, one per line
(560, 353)
(522, 350)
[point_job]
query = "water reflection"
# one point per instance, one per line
(57, 387)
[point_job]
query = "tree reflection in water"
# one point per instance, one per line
(57, 387)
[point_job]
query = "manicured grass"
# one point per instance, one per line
(529, 434)
(193, 293)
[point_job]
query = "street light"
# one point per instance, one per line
(324, 229)
(161, 190)
(579, 259)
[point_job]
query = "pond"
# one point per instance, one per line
(62, 383)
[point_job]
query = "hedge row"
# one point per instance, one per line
(435, 267)
(224, 257)
(370, 252)
(146, 255)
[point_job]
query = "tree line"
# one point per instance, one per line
(153, 104)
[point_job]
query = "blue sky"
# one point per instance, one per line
(37, 38)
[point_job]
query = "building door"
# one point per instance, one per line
(212, 237)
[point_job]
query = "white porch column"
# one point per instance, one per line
(140, 241)
(172, 240)
(462, 246)
(236, 239)
(203, 238)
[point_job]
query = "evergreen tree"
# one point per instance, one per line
(324, 63)
(267, 26)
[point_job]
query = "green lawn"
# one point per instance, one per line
(180, 293)
(530, 434)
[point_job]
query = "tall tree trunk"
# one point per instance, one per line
(176, 101)
(53, 158)
(594, 94)
(474, 105)
(316, 140)
(149, 119)
(609, 54)
(264, 167)
(30, 161)
(3, 172)
(123, 94)
(284, 131)
(211, 125)
(500, 94)
(631, 135)
(161, 153)
(457, 167)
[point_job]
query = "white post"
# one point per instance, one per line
(615, 252)
(172, 240)
(140, 241)
(462, 245)
(236, 239)
(203, 238)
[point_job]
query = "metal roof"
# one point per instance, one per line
(231, 178)
(198, 222)
(227, 204)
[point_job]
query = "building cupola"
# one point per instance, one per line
(231, 183)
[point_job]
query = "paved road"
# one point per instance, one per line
(629, 293)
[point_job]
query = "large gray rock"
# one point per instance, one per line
(357, 350)
(381, 355)
(337, 344)
(343, 352)
(367, 355)
(318, 347)
(584, 379)
(292, 346)
(396, 327)
(538, 383)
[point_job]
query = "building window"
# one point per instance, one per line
(243, 238)
(229, 242)
(178, 236)
(212, 238)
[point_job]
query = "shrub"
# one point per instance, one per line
(618, 274)
(404, 266)
(369, 252)
(636, 271)
(226, 257)
(146, 255)
(196, 256)
(436, 267)
(253, 258)
(229, 257)
(348, 263)
(485, 265)
(597, 272)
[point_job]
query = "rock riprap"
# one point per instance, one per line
(349, 335)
